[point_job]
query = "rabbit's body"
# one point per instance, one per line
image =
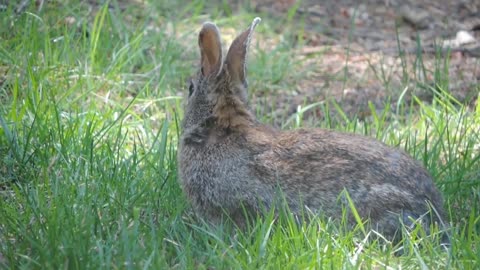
(229, 163)
(246, 169)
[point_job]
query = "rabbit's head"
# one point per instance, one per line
(219, 81)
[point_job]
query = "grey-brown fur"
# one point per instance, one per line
(229, 162)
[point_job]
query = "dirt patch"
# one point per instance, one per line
(378, 50)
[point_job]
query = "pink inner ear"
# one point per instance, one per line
(210, 49)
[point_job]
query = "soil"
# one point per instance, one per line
(373, 51)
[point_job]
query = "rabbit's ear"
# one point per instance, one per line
(237, 54)
(210, 49)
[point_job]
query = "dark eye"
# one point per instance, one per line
(190, 89)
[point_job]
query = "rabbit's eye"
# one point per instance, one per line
(190, 89)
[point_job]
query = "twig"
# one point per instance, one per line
(40, 5)
(22, 6)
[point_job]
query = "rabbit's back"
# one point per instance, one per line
(313, 167)
(260, 166)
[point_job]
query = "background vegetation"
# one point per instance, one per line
(90, 103)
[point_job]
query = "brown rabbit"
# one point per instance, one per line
(230, 163)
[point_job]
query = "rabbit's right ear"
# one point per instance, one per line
(237, 54)
(210, 49)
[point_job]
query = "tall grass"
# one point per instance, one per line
(89, 117)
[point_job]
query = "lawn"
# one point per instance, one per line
(91, 99)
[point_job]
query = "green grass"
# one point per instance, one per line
(89, 117)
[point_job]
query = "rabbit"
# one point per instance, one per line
(231, 165)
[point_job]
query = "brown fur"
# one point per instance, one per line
(229, 162)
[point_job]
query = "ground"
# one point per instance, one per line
(370, 39)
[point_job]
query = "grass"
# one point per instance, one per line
(90, 104)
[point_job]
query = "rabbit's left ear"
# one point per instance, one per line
(237, 54)
(210, 49)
